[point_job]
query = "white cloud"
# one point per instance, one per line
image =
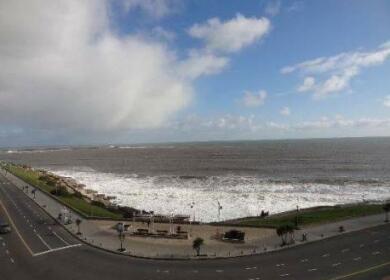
(307, 85)
(254, 99)
(154, 8)
(201, 63)
(231, 35)
(285, 111)
(336, 72)
(386, 101)
(63, 69)
(273, 7)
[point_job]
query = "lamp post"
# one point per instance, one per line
(120, 229)
(192, 206)
(219, 217)
(297, 217)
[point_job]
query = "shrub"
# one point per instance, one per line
(235, 234)
(61, 191)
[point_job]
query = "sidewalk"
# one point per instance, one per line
(257, 240)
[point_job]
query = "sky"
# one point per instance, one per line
(132, 71)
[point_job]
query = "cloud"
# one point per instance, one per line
(335, 73)
(154, 8)
(285, 111)
(63, 69)
(252, 99)
(307, 85)
(386, 101)
(295, 7)
(232, 35)
(200, 63)
(273, 7)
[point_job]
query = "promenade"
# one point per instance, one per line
(100, 233)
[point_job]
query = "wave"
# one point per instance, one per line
(240, 196)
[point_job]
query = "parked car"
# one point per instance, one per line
(4, 227)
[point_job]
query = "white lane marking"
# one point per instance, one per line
(312, 269)
(56, 249)
(361, 245)
(304, 260)
(325, 255)
(376, 253)
(336, 264)
(60, 238)
(43, 241)
(219, 270)
(195, 271)
(7, 252)
(345, 250)
(12, 260)
(376, 240)
(284, 275)
(357, 259)
(249, 268)
(279, 264)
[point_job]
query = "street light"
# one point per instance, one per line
(120, 229)
(219, 217)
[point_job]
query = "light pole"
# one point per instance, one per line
(120, 229)
(219, 217)
(192, 206)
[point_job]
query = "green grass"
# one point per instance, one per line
(318, 215)
(86, 209)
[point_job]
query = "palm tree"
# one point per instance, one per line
(284, 231)
(281, 232)
(78, 223)
(198, 242)
(386, 207)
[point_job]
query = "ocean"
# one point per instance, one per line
(245, 177)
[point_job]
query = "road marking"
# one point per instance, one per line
(60, 238)
(304, 260)
(249, 268)
(56, 249)
(43, 241)
(312, 269)
(336, 264)
(361, 271)
(376, 253)
(284, 275)
(361, 245)
(280, 264)
(16, 229)
(325, 255)
(357, 259)
(376, 240)
(12, 260)
(345, 250)
(219, 270)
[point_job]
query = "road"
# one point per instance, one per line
(38, 248)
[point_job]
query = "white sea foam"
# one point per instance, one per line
(239, 196)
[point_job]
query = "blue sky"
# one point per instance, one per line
(169, 70)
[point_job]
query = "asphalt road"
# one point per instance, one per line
(40, 249)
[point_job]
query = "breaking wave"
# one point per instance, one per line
(239, 196)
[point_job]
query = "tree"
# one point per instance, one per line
(198, 242)
(386, 208)
(78, 223)
(286, 233)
